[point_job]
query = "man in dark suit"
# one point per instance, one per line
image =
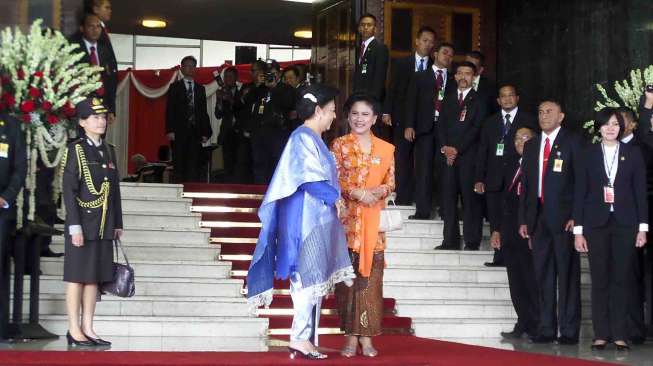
(516, 253)
(371, 67)
(395, 111)
(187, 123)
(13, 168)
(458, 133)
(227, 105)
(484, 86)
(426, 94)
(496, 150)
(98, 52)
(551, 164)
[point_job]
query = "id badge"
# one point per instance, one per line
(557, 165)
(463, 113)
(441, 94)
(376, 160)
(500, 147)
(261, 109)
(4, 150)
(608, 194)
(364, 70)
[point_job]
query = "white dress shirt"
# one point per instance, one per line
(627, 139)
(512, 113)
(552, 137)
(418, 60)
(88, 49)
(465, 92)
(367, 44)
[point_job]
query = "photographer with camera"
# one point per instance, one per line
(228, 104)
(272, 108)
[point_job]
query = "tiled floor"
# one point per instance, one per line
(639, 355)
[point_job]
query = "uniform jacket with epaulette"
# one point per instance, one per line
(88, 176)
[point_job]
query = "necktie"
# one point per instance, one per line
(506, 125)
(439, 84)
(189, 92)
(94, 60)
(362, 52)
(545, 161)
(460, 99)
(421, 65)
(515, 180)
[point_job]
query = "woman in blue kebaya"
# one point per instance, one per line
(301, 236)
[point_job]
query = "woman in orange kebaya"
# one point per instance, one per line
(365, 166)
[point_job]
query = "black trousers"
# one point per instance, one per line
(636, 325)
(556, 262)
(521, 276)
(187, 158)
(428, 173)
(458, 180)
(404, 167)
(494, 212)
(243, 168)
(267, 146)
(612, 256)
(230, 153)
(6, 226)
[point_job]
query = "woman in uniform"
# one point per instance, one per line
(91, 194)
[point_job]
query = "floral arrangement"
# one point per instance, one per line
(42, 80)
(628, 92)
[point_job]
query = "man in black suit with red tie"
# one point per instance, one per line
(551, 165)
(394, 111)
(426, 93)
(458, 133)
(187, 123)
(496, 150)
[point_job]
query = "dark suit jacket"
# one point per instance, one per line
(227, 110)
(100, 167)
(108, 61)
(509, 197)
(630, 201)
(276, 110)
(487, 90)
(420, 100)
(177, 113)
(13, 168)
(401, 72)
(490, 167)
(558, 186)
(463, 135)
(375, 61)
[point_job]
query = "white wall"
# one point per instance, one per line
(145, 52)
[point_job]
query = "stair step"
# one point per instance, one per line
(162, 251)
(160, 220)
(147, 234)
(136, 190)
(446, 273)
(235, 232)
(162, 326)
(158, 286)
(157, 268)
(473, 327)
(249, 217)
(155, 204)
(252, 204)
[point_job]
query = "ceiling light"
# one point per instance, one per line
(153, 23)
(300, 1)
(304, 33)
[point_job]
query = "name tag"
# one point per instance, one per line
(4, 150)
(500, 147)
(261, 109)
(376, 160)
(441, 94)
(463, 113)
(608, 194)
(364, 69)
(557, 165)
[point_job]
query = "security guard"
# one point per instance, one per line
(91, 191)
(13, 168)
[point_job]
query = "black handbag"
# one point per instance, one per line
(122, 284)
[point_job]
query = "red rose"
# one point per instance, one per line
(52, 119)
(68, 110)
(9, 100)
(100, 91)
(21, 74)
(5, 79)
(26, 118)
(34, 92)
(27, 106)
(46, 106)
(38, 74)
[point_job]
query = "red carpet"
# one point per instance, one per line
(394, 350)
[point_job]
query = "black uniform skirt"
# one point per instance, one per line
(91, 263)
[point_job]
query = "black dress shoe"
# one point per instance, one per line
(622, 347)
(598, 346)
(446, 247)
(418, 217)
(73, 342)
(472, 246)
(98, 341)
(50, 254)
(567, 340)
(542, 339)
(493, 264)
(515, 334)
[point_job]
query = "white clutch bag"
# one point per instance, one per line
(390, 219)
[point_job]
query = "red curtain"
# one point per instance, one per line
(147, 116)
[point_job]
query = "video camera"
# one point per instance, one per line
(270, 66)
